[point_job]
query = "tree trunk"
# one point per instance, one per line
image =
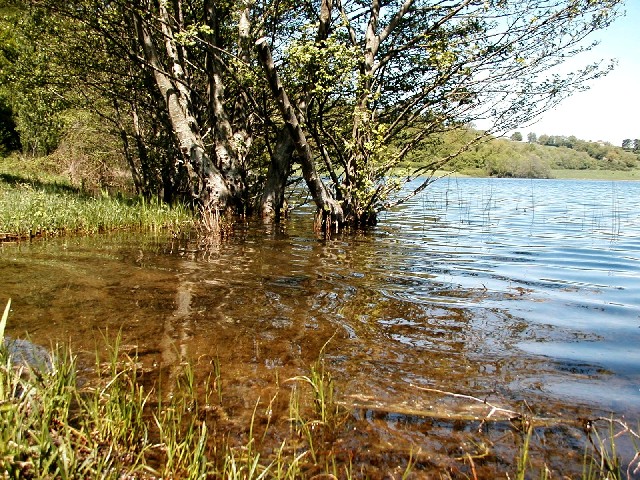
(226, 142)
(128, 154)
(272, 201)
(329, 212)
(207, 185)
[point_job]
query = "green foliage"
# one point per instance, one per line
(108, 426)
(9, 136)
(519, 163)
(117, 410)
(36, 439)
(29, 46)
(506, 158)
(38, 122)
(630, 145)
(601, 155)
(320, 69)
(323, 387)
(89, 155)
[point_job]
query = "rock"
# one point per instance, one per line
(24, 353)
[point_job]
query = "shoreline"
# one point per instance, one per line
(558, 174)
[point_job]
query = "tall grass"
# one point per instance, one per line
(27, 210)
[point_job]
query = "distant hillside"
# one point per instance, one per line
(535, 158)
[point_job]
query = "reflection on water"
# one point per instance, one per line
(514, 289)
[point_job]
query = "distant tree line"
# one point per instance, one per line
(533, 159)
(605, 154)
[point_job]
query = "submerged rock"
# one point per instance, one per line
(23, 353)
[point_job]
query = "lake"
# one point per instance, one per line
(524, 293)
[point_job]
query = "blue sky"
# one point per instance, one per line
(610, 109)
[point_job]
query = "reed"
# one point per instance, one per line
(523, 458)
(37, 439)
(601, 457)
(323, 388)
(214, 224)
(28, 210)
(115, 403)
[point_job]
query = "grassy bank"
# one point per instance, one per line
(109, 425)
(562, 174)
(40, 203)
(597, 174)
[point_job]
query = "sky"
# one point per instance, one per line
(610, 110)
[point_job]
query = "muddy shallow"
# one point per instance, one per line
(522, 293)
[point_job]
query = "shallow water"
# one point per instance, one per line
(507, 290)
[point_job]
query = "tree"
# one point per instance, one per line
(9, 136)
(417, 70)
(354, 86)
(627, 144)
(532, 137)
(516, 136)
(32, 103)
(177, 68)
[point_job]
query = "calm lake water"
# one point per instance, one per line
(508, 290)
